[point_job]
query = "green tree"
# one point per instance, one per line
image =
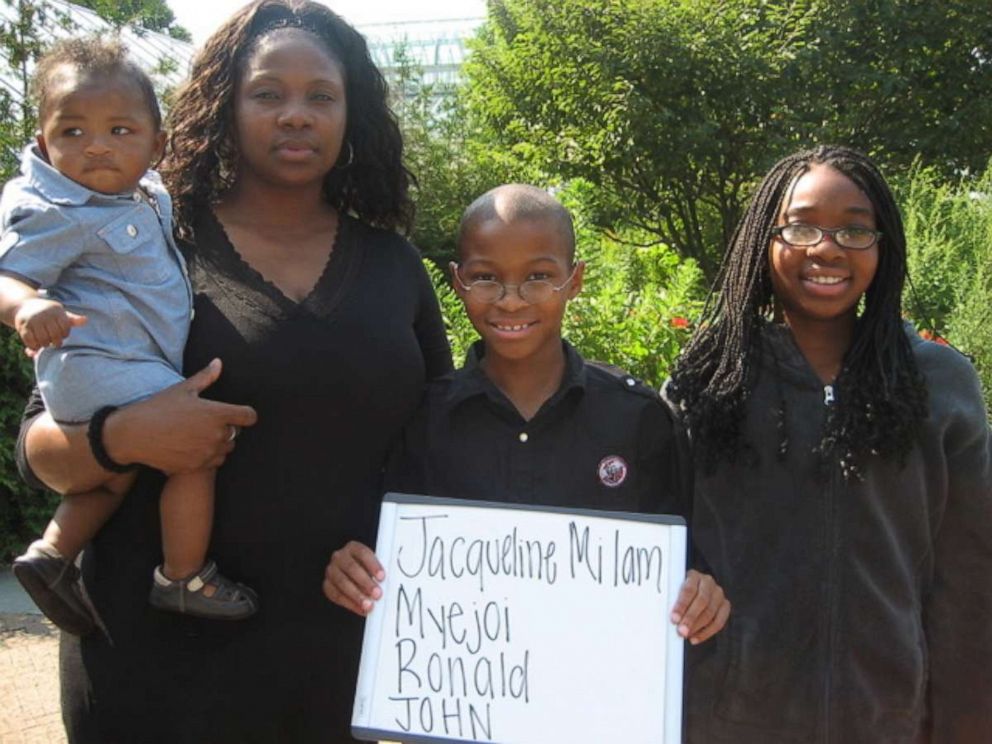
(22, 510)
(949, 235)
(672, 108)
(451, 161)
(21, 43)
(148, 15)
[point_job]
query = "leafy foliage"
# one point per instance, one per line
(637, 305)
(461, 334)
(452, 162)
(672, 108)
(949, 234)
(20, 45)
(148, 15)
(23, 511)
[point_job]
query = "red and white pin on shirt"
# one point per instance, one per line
(612, 471)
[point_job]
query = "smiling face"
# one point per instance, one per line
(290, 111)
(99, 131)
(513, 252)
(823, 282)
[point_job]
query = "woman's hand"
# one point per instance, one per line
(701, 609)
(352, 578)
(176, 430)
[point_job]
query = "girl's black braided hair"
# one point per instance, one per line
(880, 392)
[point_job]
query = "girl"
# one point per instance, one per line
(843, 492)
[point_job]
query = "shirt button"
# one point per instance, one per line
(630, 381)
(523, 436)
(132, 231)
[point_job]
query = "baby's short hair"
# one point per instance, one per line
(517, 201)
(93, 57)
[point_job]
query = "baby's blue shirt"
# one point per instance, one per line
(109, 257)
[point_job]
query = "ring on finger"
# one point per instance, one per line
(234, 433)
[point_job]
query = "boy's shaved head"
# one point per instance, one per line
(516, 202)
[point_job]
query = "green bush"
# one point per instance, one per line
(461, 334)
(636, 308)
(23, 511)
(949, 235)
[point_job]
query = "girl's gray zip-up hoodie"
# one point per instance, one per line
(862, 611)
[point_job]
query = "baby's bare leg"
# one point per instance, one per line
(47, 570)
(187, 509)
(81, 515)
(186, 582)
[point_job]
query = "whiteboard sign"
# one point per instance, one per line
(503, 623)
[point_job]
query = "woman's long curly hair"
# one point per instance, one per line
(880, 392)
(369, 180)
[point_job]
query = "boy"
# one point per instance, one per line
(526, 419)
(94, 284)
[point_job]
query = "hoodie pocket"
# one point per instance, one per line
(771, 675)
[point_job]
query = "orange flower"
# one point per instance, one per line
(929, 335)
(679, 322)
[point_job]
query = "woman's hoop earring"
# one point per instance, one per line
(351, 155)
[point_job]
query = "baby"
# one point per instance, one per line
(92, 281)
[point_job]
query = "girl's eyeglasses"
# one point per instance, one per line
(804, 236)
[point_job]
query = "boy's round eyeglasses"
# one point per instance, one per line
(804, 236)
(532, 291)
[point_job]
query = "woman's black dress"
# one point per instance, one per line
(332, 378)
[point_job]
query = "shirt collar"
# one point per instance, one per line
(55, 187)
(471, 381)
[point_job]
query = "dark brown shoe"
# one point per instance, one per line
(53, 583)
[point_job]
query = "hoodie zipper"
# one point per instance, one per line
(832, 569)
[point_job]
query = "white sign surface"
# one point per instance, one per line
(519, 624)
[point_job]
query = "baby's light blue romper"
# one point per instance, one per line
(111, 258)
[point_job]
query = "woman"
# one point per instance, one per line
(283, 156)
(843, 491)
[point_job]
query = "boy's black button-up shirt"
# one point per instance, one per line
(602, 441)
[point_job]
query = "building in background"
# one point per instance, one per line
(436, 48)
(27, 25)
(430, 52)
